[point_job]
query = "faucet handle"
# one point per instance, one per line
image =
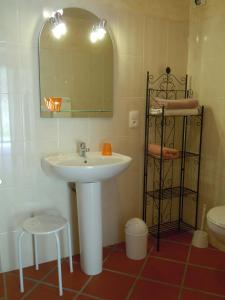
(82, 145)
(87, 149)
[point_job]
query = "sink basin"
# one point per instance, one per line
(93, 168)
(87, 173)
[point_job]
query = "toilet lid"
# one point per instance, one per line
(216, 215)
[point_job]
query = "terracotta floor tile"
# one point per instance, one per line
(163, 270)
(84, 297)
(44, 292)
(74, 281)
(208, 257)
(182, 237)
(1, 286)
(31, 272)
(206, 280)
(145, 290)
(13, 287)
(172, 251)
(109, 285)
(121, 246)
(193, 295)
(106, 251)
(76, 258)
(118, 261)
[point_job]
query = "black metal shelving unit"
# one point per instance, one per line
(171, 187)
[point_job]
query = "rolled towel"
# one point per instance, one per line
(175, 104)
(167, 153)
(176, 112)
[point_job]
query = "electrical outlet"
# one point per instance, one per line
(198, 3)
(133, 119)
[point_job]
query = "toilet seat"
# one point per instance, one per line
(216, 216)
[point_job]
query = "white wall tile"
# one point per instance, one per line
(130, 76)
(9, 16)
(25, 187)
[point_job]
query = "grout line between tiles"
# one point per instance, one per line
(107, 256)
(159, 281)
(90, 296)
(83, 287)
(207, 268)
(184, 274)
(56, 286)
(169, 259)
(139, 275)
(120, 273)
(204, 292)
(38, 282)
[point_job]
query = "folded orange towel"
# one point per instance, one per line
(175, 104)
(167, 153)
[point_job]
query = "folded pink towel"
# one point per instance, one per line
(167, 153)
(175, 104)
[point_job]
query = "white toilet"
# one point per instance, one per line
(216, 223)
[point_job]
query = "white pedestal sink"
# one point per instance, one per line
(87, 173)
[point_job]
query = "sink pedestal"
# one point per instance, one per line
(90, 226)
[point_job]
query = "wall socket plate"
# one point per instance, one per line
(133, 119)
(198, 3)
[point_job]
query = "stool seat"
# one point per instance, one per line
(44, 224)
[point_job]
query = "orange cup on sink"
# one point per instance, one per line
(106, 149)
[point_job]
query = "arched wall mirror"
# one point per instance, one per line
(76, 66)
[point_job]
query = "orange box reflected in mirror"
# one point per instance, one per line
(53, 103)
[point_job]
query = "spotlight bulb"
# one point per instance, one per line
(59, 30)
(63, 28)
(93, 36)
(101, 33)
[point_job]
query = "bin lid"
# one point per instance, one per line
(136, 226)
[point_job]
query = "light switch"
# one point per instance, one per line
(133, 119)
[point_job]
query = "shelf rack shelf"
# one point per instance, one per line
(171, 186)
(174, 191)
(170, 227)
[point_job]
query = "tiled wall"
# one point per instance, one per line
(207, 67)
(148, 34)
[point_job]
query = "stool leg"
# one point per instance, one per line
(36, 253)
(69, 247)
(20, 261)
(59, 264)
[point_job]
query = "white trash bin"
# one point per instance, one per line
(136, 232)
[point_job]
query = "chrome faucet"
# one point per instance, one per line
(83, 149)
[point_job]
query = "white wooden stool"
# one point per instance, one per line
(43, 225)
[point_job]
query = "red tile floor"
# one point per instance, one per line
(177, 272)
